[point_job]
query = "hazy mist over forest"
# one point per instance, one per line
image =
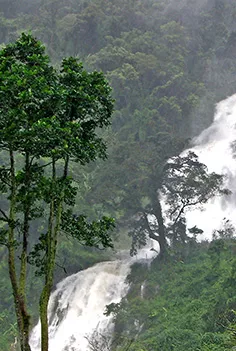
(168, 63)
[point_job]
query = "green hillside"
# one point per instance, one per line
(187, 303)
(168, 62)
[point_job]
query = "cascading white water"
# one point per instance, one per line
(77, 305)
(215, 147)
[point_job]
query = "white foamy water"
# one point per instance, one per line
(214, 148)
(77, 306)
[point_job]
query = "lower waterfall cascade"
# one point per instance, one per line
(77, 306)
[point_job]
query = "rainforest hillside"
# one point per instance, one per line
(186, 303)
(168, 63)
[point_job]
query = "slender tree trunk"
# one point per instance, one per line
(44, 299)
(45, 294)
(20, 307)
(151, 233)
(23, 268)
(56, 207)
(161, 227)
(25, 229)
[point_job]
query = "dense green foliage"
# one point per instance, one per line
(187, 303)
(49, 119)
(168, 62)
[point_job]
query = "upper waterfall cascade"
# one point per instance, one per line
(216, 147)
(77, 305)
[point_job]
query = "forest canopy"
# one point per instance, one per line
(168, 63)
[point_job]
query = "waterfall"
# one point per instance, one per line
(216, 147)
(77, 305)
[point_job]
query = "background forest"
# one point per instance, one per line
(168, 63)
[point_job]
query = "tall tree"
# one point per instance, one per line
(48, 119)
(185, 182)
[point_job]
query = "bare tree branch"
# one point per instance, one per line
(4, 218)
(62, 267)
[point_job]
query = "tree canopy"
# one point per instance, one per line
(49, 118)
